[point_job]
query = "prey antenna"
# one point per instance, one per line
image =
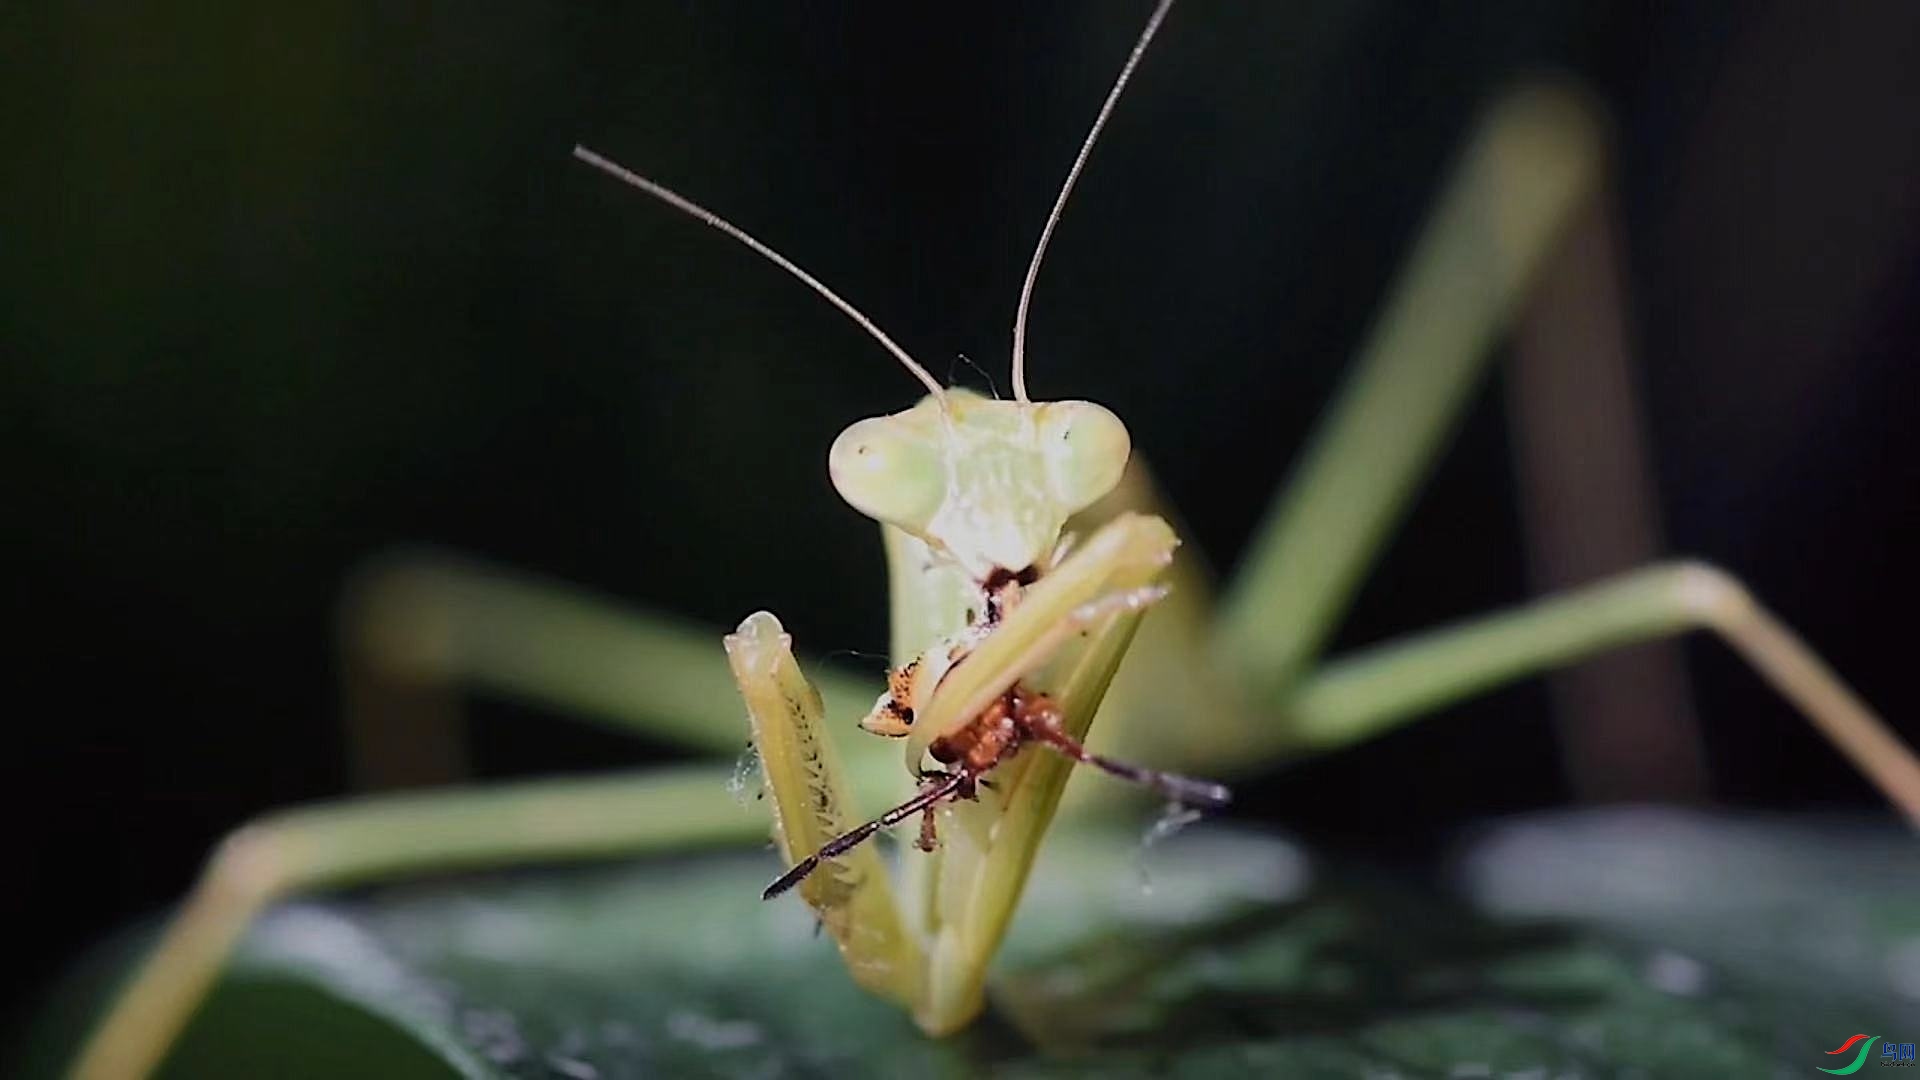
(695, 210)
(839, 845)
(1060, 204)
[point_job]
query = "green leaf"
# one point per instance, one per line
(1635, 944)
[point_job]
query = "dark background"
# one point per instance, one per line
(283, 287)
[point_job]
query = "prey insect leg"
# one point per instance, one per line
(929, 832)
(947, 786)
(1039, 719)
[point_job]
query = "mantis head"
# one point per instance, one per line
(989, 483)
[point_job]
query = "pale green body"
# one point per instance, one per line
(1246, 687)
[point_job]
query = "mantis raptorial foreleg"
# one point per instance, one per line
(806, 784)
(1095, 595)
(1128, 553)
(977, 897)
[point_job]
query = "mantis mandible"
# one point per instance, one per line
(1248, 685)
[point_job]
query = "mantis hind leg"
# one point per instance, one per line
(368, 839)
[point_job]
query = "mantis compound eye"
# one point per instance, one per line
(1086, 449)
(889, 474)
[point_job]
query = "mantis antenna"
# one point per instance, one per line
(1060, 204)
(695, 210)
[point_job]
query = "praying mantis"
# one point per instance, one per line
(1247, 685)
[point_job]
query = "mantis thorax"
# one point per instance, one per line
(988, 483)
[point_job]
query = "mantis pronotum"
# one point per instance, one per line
(1248, 685)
